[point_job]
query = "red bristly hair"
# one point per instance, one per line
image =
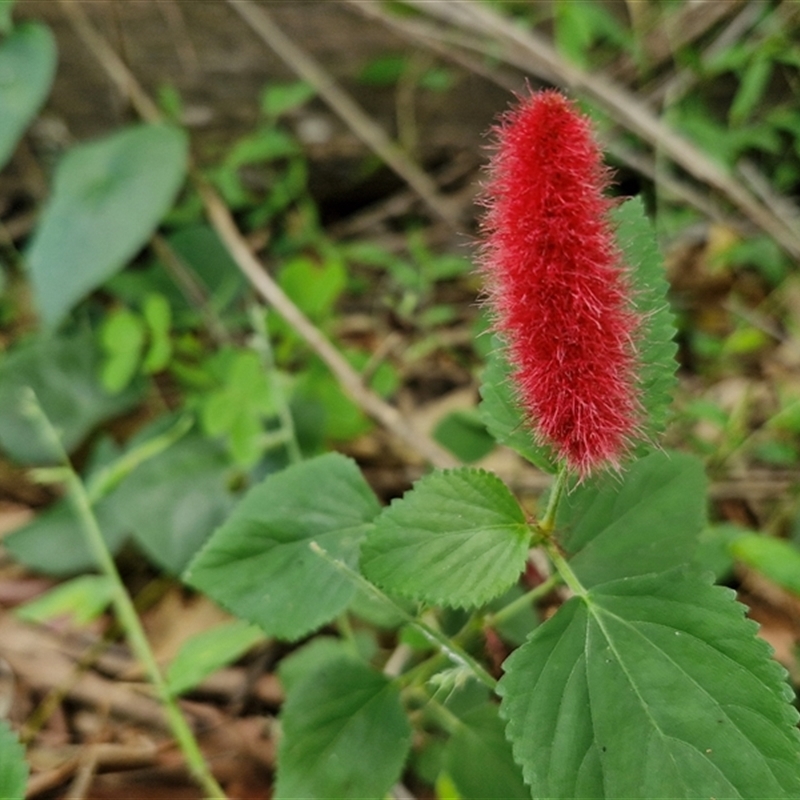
(559, 291)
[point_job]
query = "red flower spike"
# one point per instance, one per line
(557, 285)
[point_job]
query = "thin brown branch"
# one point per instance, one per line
(348, 377)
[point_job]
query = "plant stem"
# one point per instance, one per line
(263, 346)
(548, 521)
(545, 529)
(527, 599)
(564, 569)
(123, 606)
(437, 638)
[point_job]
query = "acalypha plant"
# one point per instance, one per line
(648, 681)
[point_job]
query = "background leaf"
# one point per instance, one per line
(209, 651)
(657, 350)
(777, 559)
(108, 197)
(13, 768)
(345, 735)
(174, 501)
(83, 599)
(479, 761)
(654, 686)
(504, 417)
(27, 65)
(63, 372)
(259, 564)
(458, 538)
(646, 520)
(52, 541)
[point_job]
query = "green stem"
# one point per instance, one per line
(264, 348)
(527, 599)
(437, 638)
(442, 715)
(564, 569)
(548, 521)
(124, 608)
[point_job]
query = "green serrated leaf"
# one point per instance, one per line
(108, 197)
(646, 520)
(458, 538)
(310, 657)
(209, 651)
(654, 686)
(83, 599)
(503, 416)
(259, 564)
(479, 761)
(62, 371)
(13, 767)
(345, 735)
(656, 348)
(27, 68)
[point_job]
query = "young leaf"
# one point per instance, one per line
(653, 686)
(83, 599)
(657, 365)
(13, 768)
(122, 337)
(646, 520)
(209, 651)
(345, 735)
(458, 538)
(27, 66)
(478, 759)
(503, 416)
(108, 197)
(259, 564)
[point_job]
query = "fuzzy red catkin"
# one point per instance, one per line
(557, 284)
